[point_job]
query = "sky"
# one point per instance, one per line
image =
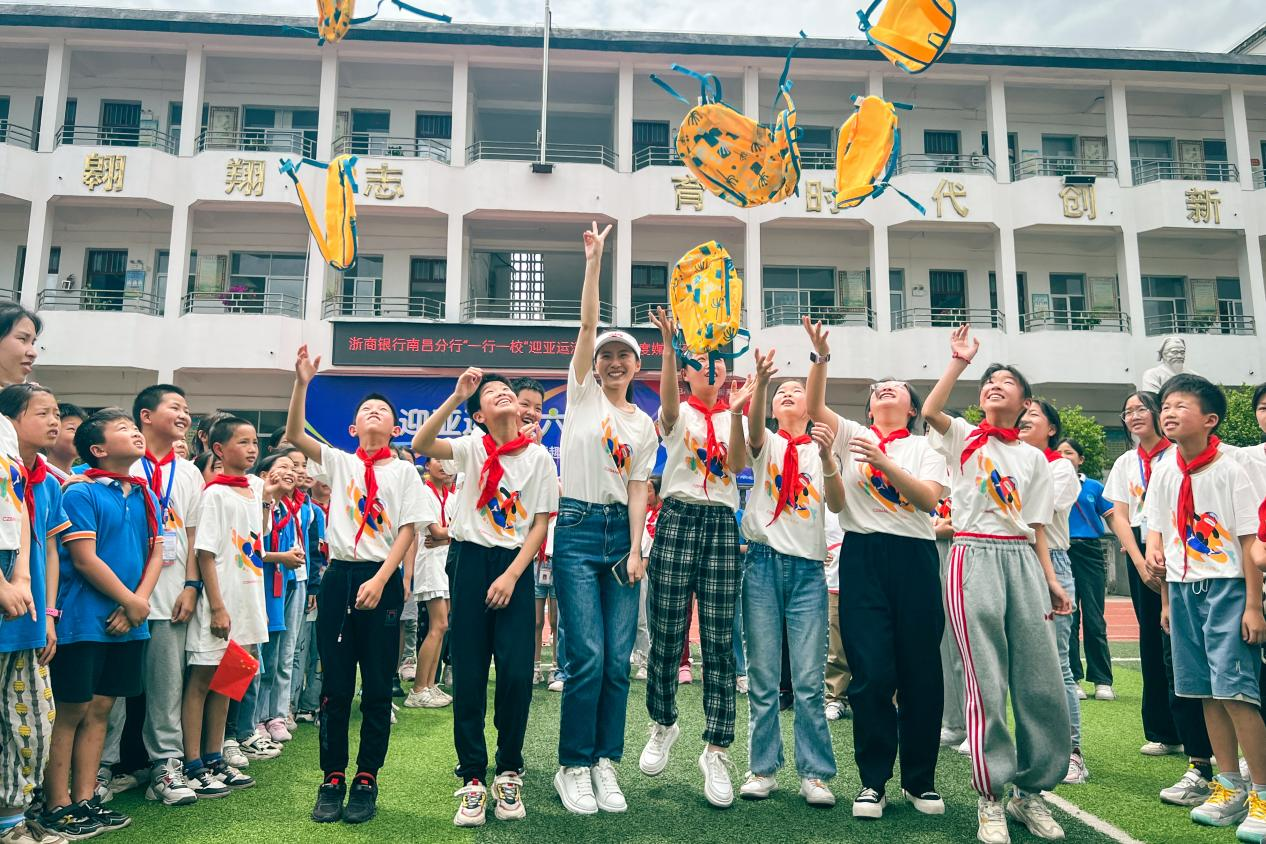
(1206, 25)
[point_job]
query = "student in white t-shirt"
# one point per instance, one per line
(430, 587)
(837, 674)
(891, 620)
(1001, 590)
(499, 523)
(795, 479)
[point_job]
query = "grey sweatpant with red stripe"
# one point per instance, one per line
(998, 606)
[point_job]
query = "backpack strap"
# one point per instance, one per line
(709, 86)
(403, 5)
(783, 84)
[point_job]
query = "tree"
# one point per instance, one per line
(1077, 425)
(1240, 425)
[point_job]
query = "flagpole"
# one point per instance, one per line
(545, 84)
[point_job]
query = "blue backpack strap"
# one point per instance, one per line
(672, 92)
(783, 84)
(864, 17)
(883, 183)
(679, 347)
(401, 4)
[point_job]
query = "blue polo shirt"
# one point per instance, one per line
(274, 598)
(1086, 519)
(22, 633)
(120, 526)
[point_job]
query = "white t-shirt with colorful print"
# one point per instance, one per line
(871, 503)
(12, 510)
(231, 526)
(528, 487)
(800, 530)
(1125, 482)
(399, 491)
(688, 474)
(603, 447)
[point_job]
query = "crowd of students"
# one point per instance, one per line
(911, 568)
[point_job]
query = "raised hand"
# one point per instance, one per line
(817, 336)
(765, 368)
(824, 439)
(962, 345)
(667, 326)
(306, 367)
(468, 383)
(595, 242)
(740, 396)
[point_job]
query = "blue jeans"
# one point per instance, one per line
(1063, 630)
(740, 657)
(600, 617)
(777, 588)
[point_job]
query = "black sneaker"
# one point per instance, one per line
(231, 777)
(396, 689)
(205, 784)
(362, 805)
(71, 822)
(329, 802)
(37, 807)
(109, 819)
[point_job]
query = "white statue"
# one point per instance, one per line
(1173, 360)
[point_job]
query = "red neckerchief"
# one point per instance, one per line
(279, 522)
(714, 449)
(1146, 457)
(151, 509)
(789, 489)
(1186, 500)
(492, 472)
(943, 508)
(541, 556)
(1051, 454)
(442, 494)
(233, 481)
(1261, 521)
(985, 432)
(156, 470)
(373, 506)
(35, 476)
(899, 434)
(652, 519)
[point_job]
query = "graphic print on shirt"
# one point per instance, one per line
(806, 494)
(373, 526)
(697, 460)
(1204, 538)
(247, 558)
(504, 511)
(621, 453)
(1000, 488)
(11, 479)
(876, 484)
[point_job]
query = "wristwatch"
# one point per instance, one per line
(195, 585)
(814, 357)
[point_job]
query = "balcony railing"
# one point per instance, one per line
(1110, 321)
(642, 313)
(1163, 169)
(278, 304)
(825, 314)
(1045, 165)
(114, 136)
(292, 141)
(1259, 178)
(937, 163)
(817, 159)
(531, 151)
(12, 133)
(53, 299)
(656, 157)
(424, 307)
(1210, 324)
(383, 146)
(947, 318)
(563, 310)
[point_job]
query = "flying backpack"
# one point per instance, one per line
(744, 162)
(912, 34)
(706, 296)
(338, 244)
(334, 17)
(867, 153)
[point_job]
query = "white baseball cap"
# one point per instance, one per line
(608, 337)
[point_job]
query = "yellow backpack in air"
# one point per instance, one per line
(913, 34)
(338, 244)
(706, 296)
(334, 17)
(867, 153)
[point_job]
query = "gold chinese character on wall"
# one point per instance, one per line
(816, 196)
(1204, 206)
(104, 171)
(953, 192)
(384, 182)
(1079, 201)
(689, 192)
(244, 175)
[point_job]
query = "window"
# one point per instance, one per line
(4, 118)
(817, 147)
(1152, 148)
(54, 260)
(427, 278)
(120, 123)
(792, 291)
(1060, 154)
(433, 125)
(942, 147)
(1012, 144)
(1230, 307)
(1068, 300)
(160, 273)
(1164, 303)
(362, 287)
(649, 134)
(897, 296)
(650, 288)
(527, 285)
(272, 283)
(949, 297)
(368, 130)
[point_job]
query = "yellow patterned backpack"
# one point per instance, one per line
(867, 153)
(913, 34)
(334, 17)
(338, 243)
(706, 296)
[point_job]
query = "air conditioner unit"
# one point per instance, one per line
(1078, 179)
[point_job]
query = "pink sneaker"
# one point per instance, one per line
(276, 729)
(684, 675)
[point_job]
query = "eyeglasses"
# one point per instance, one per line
(1138, 411)
(882, 385)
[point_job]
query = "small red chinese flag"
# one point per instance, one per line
(237, 669)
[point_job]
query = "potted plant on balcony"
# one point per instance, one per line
(234, 300)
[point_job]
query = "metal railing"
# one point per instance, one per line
(1259, 178)
(947, 318)
(656, 157)
(12, 133)
(383, 306)
(9, 295)
(825, 314)
(224, 302)
(1046, 165)
(1208, 324)
(53, 299)
(383, 146)
(817, 159)
(1110, 321)
(563, 310)
(531, 151)
(292, 141)
(114, 136)
(1163, 169)
(642, 313)
(937, 163)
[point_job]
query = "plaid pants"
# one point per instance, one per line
(26, 725)
(695, 551)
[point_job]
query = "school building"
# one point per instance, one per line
(1081, 204)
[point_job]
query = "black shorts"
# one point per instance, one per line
(83, 670)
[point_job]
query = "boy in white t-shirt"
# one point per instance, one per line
(1001, 590)
(430, 587)
(1201, 515)
(499, 523)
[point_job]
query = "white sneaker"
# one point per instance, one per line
(964, 748)
(927, 803)
(834, 710)
(1227, 804)
(556, 685)
(950, 738)
(740, 684)
(1081, 693)
(470, 811)
(869, 803)
(575, 789)
(1078, 773)
(507, 791)
(291, 723)
(606, 788)
(120, 783)
(1253, 827)
(1032, 811)
(992, 820)
(1156, 748)
(232, 753)
(1191, 790)
(655, 755)
(408, 670)
(815, 792)
(1104, 692)
(168, 784)
(537, 676)
(640, 673)
(756, 787)
(258, 746)
(1245, 774)
(441, 697)
(418, 700)
(715, 766)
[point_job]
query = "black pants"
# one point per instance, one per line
(348, 638)
(891, 622)
(477, 636)
(1090, 572)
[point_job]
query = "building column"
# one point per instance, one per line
(39, 237)
(458, 109)
(1119, 133)
(623, 281)
(1239, 147)
(1253, 280)
(1006, 272)
(624, 120)
(319, 275)
(455, 286)
(753, 289)
(996, 120)
(56, 81)
(880, 300)
(751, 93)
(875, 83)
(191, 101)
(178, 255)
(327, 115)
(1130, 273)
